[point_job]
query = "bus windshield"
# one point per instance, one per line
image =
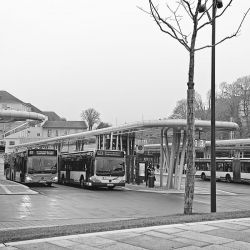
(110, 166)
(40, 165)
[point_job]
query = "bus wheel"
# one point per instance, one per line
(82, 182)
(228, 178)
(203, 177)
(49, 184)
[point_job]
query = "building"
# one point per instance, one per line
(14, 133)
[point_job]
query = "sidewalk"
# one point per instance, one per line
(224, 234)
(163, 190)
(11, 187)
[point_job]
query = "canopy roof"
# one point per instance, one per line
(14, 115)
(137, 127)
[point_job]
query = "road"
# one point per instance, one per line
(66, 202)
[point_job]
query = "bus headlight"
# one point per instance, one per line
(94, 179)
(28, 178)
(122, 181)
(55, 178)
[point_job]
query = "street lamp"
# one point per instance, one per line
(216, 4)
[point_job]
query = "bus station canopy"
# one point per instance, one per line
(14, 115)
(137, 128)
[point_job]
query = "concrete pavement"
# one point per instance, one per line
(11, 187)
(224, 234)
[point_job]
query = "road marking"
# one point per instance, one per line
(6, 190)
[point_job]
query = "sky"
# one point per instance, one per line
(67, 56)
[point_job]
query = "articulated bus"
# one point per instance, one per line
(94, 168)
(33, 166)
(228, 169)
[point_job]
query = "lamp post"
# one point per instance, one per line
(216, 4)
(213, 157)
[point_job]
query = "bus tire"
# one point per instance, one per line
(49, 184)
(82, 182)
(203, 176)
(228, 178)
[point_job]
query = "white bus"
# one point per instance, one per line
(228, 169)
(33, 166)
(93, 168)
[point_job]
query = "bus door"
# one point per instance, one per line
(89, 161)
(67, 169)
(236, 170)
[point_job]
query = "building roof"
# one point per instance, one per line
(6, 97)
(52, 116)
(34, 109)
(65, 124)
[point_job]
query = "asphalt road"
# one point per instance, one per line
(66, 202)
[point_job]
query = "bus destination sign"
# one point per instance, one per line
(40, 152)
(109, 153)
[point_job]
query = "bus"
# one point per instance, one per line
(33, 166)
(228, 169)
(93, 168)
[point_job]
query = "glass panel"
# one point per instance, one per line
(110, 166)
(38, 164)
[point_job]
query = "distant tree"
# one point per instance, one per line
(180, 110)
(91, 116)
(103, 125)
(63, 119)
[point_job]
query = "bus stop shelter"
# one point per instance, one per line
(128, 136)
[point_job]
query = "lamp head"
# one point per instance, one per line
(219, 4)
(202, 8)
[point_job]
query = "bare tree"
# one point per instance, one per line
(180, 110)
(91, 116)
(103, 125)
(196, 13)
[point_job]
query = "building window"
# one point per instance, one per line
(49, 132)
(57, 133)
(11, 143)
(38, 134)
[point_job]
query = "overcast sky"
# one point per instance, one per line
(70, 55)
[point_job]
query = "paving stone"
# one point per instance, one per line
(231, 234)
(159, 234)
(83, 247)
(204, 237)
(154, 243)
(122, 246)
(8, 248)
(118, 236)
(198, 227)
(64, 243)
(230, 225)
(189, 248)
(190, 242)
(216, 247)
(93, 241)
(238, 245)
(170, 230)
(40, 246)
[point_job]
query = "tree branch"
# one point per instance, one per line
(228, 37)
(190, 12)
(159, 20)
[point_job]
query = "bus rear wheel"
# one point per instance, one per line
(228, 178)
(203, 177)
